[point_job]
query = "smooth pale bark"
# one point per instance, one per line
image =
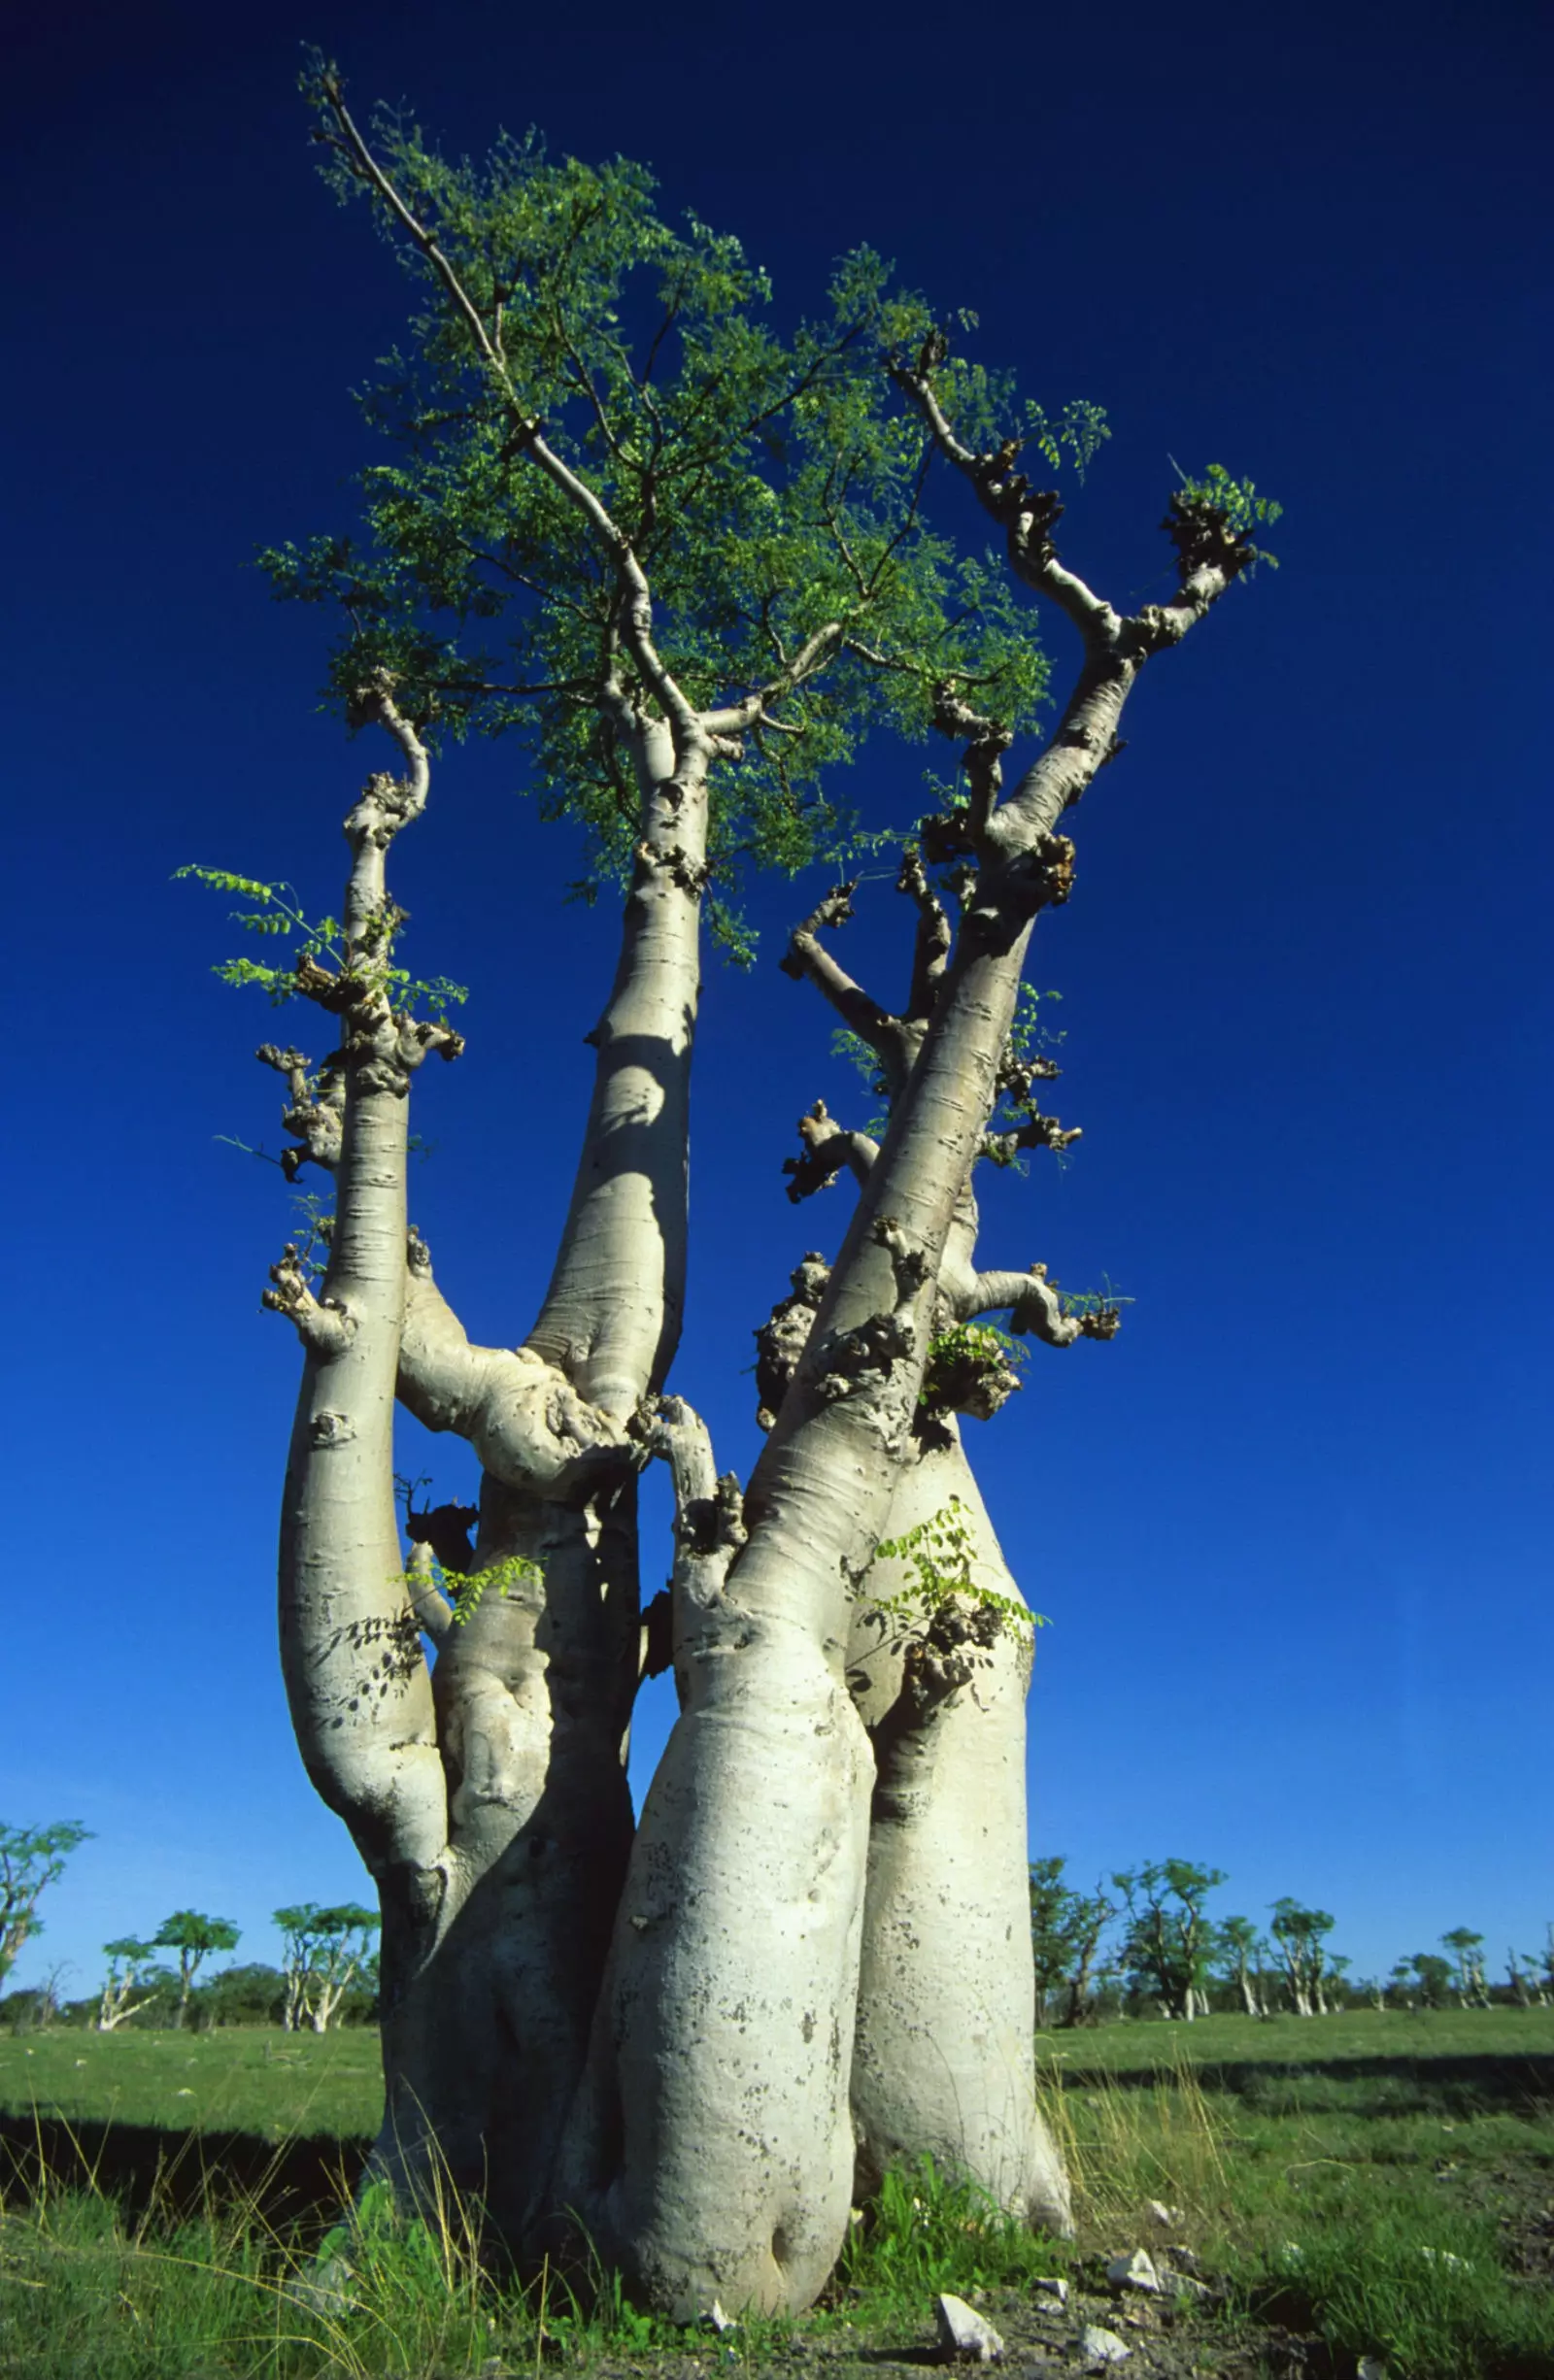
(944, 2058)
(356, 1683)
(714, 2153)
(484, 2049)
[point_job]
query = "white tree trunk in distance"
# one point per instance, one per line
(944, 2058)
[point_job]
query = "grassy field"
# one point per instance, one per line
(1374, 2185)
(263, 2081)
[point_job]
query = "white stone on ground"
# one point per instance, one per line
(1135, 2271)
(1100, 2347)
(964, 2334)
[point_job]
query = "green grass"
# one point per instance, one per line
(259, 2081)
(1383, 2180)
(1380, 2184)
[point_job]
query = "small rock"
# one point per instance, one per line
(1167, 2217)
(720, 2321)
(964, 2334)
(1445, 2256)
(1183, 2259)
(1183, 2286)
(1054, 2288)
(1371, 2368)
(1100, 2347)
(1135, 2271)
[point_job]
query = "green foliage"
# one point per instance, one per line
(1237, 501)
(769, 486)
(1169, 1941)
(325, 1948)
(941, 1554)
(964, 1349)
(277, 914)
(31, 1858)
(466, 1590)
(194, 1937)
(1066, 1931)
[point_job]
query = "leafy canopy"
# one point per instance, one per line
(770, 486)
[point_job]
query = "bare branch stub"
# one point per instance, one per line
(828, 1147)
(967, 1372)
(709, 1506)
(316, 1112)
(863, 1359)
(444, 1529)
(931, 953)
(782, 1338)
(1035, 1304)
(324, 1328)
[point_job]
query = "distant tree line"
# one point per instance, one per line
(1144, 1944)
(1141, 1944)
(327, 1976)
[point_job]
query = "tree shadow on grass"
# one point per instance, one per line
(1460, 2086)
(182, 2175)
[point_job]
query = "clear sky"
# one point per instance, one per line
(1293, 1526)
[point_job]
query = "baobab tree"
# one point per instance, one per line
(194, 1937)
(1300, 1935)
(31, 1860)
(1169, 1941)
(322, 1950)
(688, 563)
(131, 1968)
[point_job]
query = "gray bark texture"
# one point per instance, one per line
(713, 2155)
(944, 2059)
(485, 2038)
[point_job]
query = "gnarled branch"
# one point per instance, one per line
(828, 1147)
(709, 1526)
(523, 1416)
(325, 1326)
(1033, 1304)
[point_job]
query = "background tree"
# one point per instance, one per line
(1468, 1949)
(194, 1937)
(31, 1858)
(1066, 1927)
(131, 1968)
(325, 1951)
(1299, 1933)
(1428, 1977)
(1169, 1941)
(1239, 1949)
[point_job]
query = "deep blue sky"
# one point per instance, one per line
(1292, 1527)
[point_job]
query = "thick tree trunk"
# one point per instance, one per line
(943, 2060)
(484, 2046)
(483, 2049)
(714, 2153)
